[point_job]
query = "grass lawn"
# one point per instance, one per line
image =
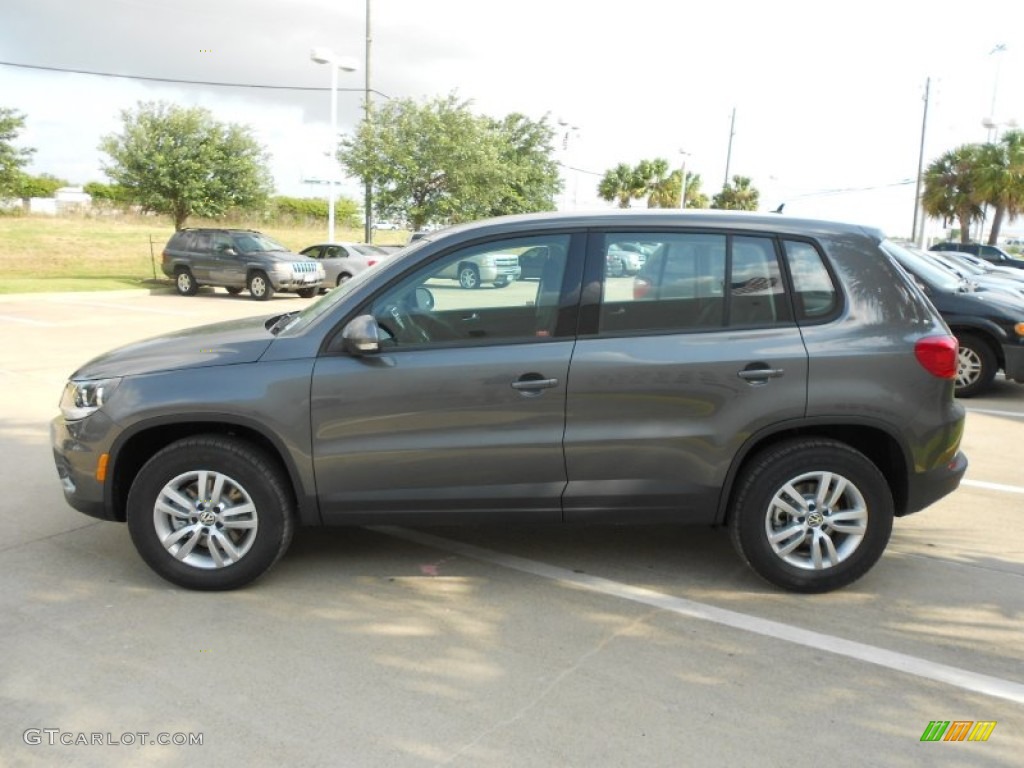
(49, 253)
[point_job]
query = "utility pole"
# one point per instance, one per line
(728, 154)
(914, 235)
(368, 106)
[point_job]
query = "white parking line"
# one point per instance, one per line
(27, 321)
(993, 486)
(104, 305)
(870, 654)
(991, 412)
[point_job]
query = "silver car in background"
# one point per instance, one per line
(343, 261)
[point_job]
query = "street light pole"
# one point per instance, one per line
(682, 179)
(327, 56)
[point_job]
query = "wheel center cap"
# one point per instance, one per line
(208, 517)
(814, 519)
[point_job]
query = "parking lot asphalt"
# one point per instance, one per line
(487, 646)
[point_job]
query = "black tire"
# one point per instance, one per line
(976, 366)
(308, 293)
(503, 284)
(260, 287)
(803, 464)
(185, 282)
(233, 291)
(469, 276)
(344, 277)
(252, 480)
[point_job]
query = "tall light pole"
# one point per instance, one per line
(728, 154)
(368, 187)
(569, 130)
(346, 64)
(914, 236)
(682, 179)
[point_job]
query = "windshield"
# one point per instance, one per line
(336, 295)
(922, 268)
(254, 242)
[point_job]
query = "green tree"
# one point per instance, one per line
(110, 194)
(740, 195)
(44, 185)
(12, 159)
(181, 162)
(695, 198)
(437, 161)
(531, 179)
(660, 185)
(951, 188)
(1000, 179)
(621, 184)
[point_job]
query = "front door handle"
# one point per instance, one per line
(760, 375)
(533, 383)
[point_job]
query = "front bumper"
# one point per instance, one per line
(77, 448)
(296, 282)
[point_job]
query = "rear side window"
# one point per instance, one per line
(814, 292)
(694, 282)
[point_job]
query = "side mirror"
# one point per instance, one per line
(424, 299)
(361, 336)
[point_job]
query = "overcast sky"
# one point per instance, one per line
(828, 95)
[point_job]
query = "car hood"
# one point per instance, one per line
(228, 343)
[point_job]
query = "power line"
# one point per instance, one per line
(844, 190)
(145, 78)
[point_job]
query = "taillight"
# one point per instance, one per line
(937, 355)
(370, 262)
(641, 287)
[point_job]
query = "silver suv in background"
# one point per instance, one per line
(782, 378)
(237, 259)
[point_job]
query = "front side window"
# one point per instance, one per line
(475, 295)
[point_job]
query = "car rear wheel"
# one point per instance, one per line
(210, 513)
(260, 287)
(975, 366)
(469, 276)
(811, 515)
(234, 291)
(185, 282)
(308, 293)
(344, 277)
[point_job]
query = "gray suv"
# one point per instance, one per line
(783, 378)
(237, 259)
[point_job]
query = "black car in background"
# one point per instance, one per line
(988, 324)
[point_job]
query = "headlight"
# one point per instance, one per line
(82, 398)
(281, 269)
(1019, 328)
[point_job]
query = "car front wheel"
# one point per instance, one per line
(185, 282)
(975, 366)
(260, 287)
(210, 513)
(469, 276)
(811, 515)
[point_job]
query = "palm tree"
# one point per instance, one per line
(621, 184)
(694, 197)
(1000, 179)
(951, 187)
(661, 186)
(738, 196)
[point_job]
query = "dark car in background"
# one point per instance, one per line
(780, 377)
(236, 259)
(988, 324)
(990, 253)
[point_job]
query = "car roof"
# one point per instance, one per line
(656, 218)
